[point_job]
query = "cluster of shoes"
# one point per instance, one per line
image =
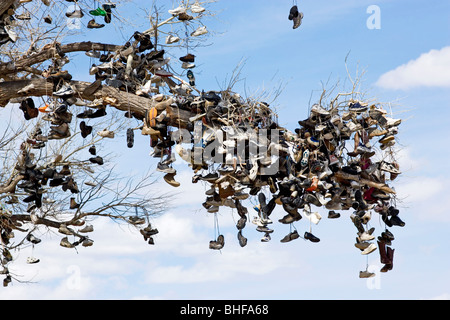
(312, 169)
(104, 11)
(6, 230)
(148, 232)
(85, 241)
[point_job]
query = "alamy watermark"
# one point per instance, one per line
(73, 14)
(73, 282)
(374, 20)
(374, 283)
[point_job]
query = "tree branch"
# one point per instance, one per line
(50, 51)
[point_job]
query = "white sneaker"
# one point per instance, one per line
(177, 11)
(88, 228)
(392, 122)
(188, 65)
(106, 134)
(196, 8)
(213, 209)
(257, 221)
(172, 39)
(385, 166)
(158, 64)
(31, 260)
(319, 110)
(163, 73)
(365, 236)
(371, 248)
(200, 31)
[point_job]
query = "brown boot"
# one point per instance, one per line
(388, 266)
(384, 259)
(73, 204)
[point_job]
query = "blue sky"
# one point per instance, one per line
(406, 62)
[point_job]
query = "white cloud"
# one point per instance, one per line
(431, 69)
(444, 296)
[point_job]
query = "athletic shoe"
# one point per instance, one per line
(199, 31)
(309, 236)
(290, 236)
(196, 8)
(32, 260)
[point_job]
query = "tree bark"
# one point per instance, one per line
(5, 4)
(50, 51)
(118, 99)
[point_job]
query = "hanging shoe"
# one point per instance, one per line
(130, 138)
(177, 11)
(65, 230)
(86, 229)
(309, 236)
(98, 12)
(188, 58)
(172, 39)
(169, 178)
(333, 215)
(290, 236)
(298, 20)
(93, 150)
(197, 8)
(76, 13)
(106, 134)
(107, 7)
(390, 260)
(242, 240)
(366, 274)
(266, 238)
(92, 24)
(32, 260)
(183, 16)
(293, 13)
(48, 19)
(33, 239)
(85, 129)
(214, 245)
(162, 167)
(87, 242)
(97, 160)
(74, 204)
(65, 243)
(199, 31)
(370, 248)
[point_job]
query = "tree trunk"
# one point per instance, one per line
(118, 99)
(50, 51)
(5, 4)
